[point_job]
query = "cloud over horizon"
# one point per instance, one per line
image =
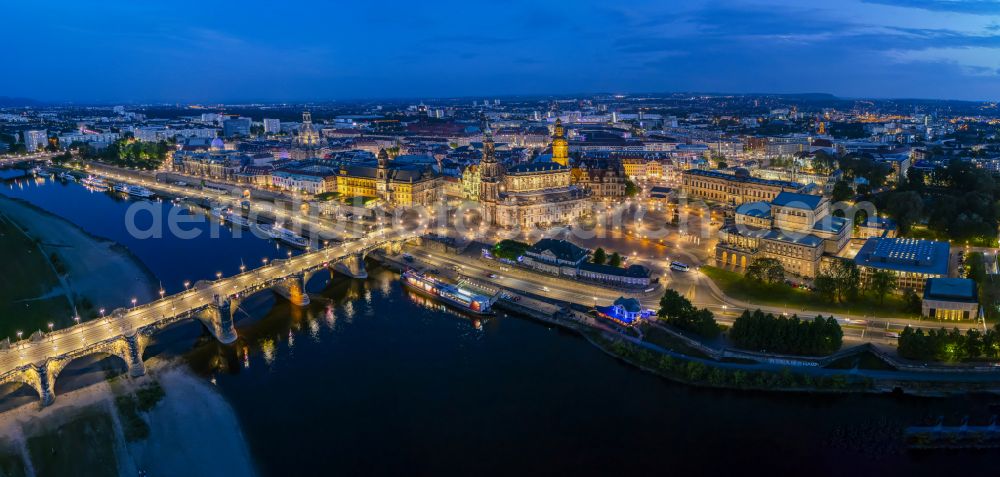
(228, 51)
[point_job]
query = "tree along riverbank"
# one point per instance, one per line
(54, 270)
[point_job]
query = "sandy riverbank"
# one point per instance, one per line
(103, 272)
(193, 430)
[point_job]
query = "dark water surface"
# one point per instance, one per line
(374, 379)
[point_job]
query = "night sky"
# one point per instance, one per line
(205, 51)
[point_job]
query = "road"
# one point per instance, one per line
(638, 230)
(311, 225)
(76, 340)
(38, 156)
(693, 285)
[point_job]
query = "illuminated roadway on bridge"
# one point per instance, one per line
(76, 340)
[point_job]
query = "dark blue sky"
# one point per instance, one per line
(185, 50)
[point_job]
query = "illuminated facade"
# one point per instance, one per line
(394, 185)
(732, 189)
(560, 147)
(528, 195)
(796, 229)
(604, 179)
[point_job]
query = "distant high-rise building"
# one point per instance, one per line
(210, 117)
(36, 139)
(236, 127)
(272, 126)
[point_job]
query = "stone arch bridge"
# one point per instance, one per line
(37, 362)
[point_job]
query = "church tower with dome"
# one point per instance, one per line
(306, 145)
(308, 137)
(560, 147)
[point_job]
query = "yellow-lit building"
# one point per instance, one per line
(395, 185)
(528, 195)
(732, 189)
(795, 229)
(560, 147)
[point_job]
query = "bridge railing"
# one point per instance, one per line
(131, 312)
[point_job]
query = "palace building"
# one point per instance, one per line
(396, 185)
(604, 178)
(733, 189)
(526, 195)
(796, 229)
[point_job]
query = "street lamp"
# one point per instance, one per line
(218, 275)
(50, 327)
(133, 302)
(186, 285)
(102, 312)
(76, 319)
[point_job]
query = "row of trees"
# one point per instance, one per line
(601, 257)
(128, 153)
(700, 373)
(759, 331)
(944, 345)
(677, 311)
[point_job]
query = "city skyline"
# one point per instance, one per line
(188, 52)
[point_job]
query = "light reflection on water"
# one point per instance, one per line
(392, 382)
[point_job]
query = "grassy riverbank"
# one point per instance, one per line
(30, 290)
(53, 269)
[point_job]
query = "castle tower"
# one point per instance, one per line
(560, 147)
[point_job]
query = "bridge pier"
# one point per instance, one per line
(293, 289)
(352, 266)
(135, 344)
(219, 319)
(46, 385)
(42, 377)
(394, 248)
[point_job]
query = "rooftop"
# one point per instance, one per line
(760, 210)
(951, 289)
(562, 249)
(737, 178)
(905, 255)
(797, 201)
